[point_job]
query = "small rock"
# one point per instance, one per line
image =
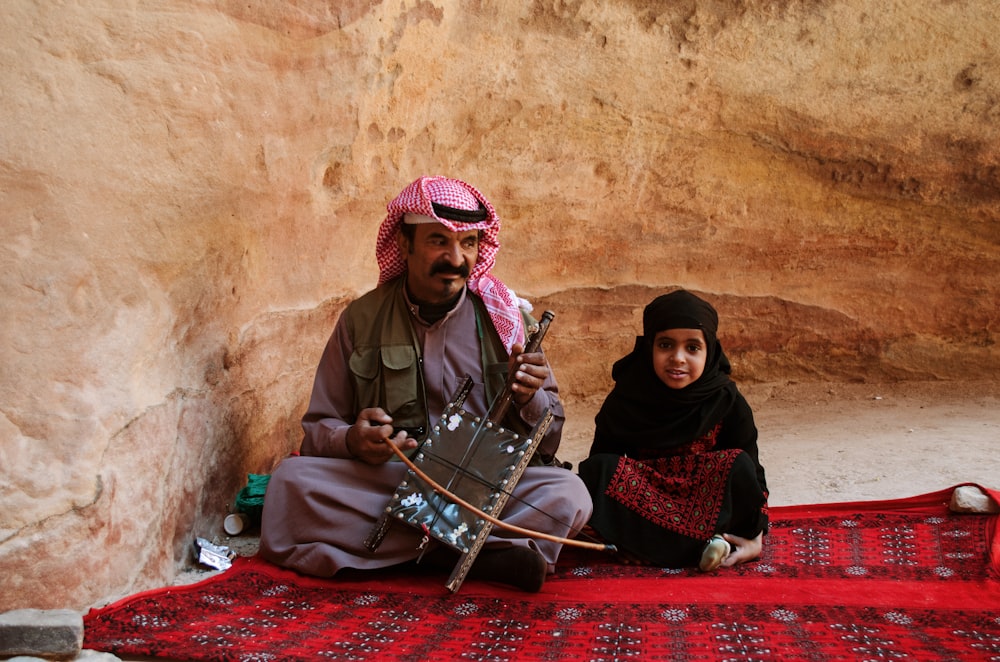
(48, 633)
(971, 499)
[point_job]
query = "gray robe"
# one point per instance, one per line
(320, 506)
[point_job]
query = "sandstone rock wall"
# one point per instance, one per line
(190, 193)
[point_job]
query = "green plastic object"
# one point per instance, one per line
(250, 499)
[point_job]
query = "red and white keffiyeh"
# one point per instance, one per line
(417, 198)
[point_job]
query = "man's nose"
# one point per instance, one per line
(454, 254)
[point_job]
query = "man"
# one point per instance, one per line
(395, 358)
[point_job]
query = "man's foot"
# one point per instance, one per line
(716, 550)
(517, 566)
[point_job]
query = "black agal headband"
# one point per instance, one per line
(461, 215)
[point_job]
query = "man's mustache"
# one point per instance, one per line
(445, 268)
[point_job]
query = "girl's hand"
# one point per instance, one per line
(743, 549)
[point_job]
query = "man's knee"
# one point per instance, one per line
(567, 494)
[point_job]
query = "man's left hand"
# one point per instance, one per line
(531, 371)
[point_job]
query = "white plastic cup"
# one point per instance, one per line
(235, 523)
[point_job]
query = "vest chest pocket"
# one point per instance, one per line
(387, 377)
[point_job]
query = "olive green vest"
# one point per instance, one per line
(385, 365)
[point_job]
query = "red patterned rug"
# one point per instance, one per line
(897, 580)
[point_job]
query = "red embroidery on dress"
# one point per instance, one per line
(682, 492)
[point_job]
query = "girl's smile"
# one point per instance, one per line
(679, 356)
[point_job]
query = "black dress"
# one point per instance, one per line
(662, 506)
(669, 468)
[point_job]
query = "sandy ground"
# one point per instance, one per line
(823, 443)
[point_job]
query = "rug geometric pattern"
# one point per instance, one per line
(891, 580)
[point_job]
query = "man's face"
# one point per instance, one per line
(438, 261)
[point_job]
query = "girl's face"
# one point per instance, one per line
(679, 356)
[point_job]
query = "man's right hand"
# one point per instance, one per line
(369, 438)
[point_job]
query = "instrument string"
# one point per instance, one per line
(482, 481)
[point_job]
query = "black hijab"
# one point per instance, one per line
(642, 412)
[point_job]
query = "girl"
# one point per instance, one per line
(673, 470)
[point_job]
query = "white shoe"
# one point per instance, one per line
(716, 550)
